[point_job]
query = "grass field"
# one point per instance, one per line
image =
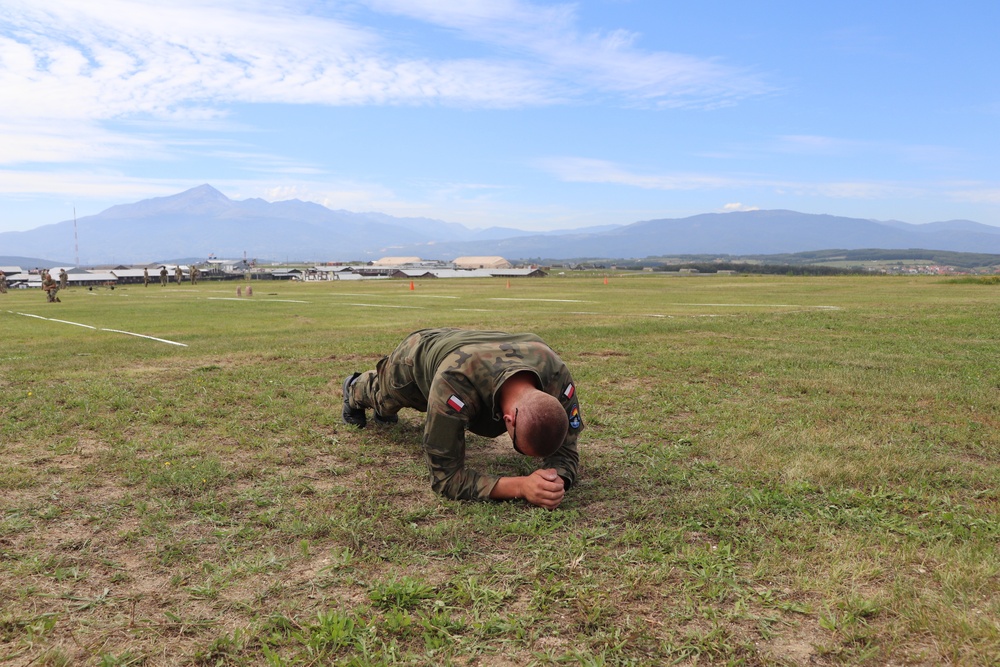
(774, 471)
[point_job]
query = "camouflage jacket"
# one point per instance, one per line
(458, 373)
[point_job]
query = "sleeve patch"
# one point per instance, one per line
(574, 416)
(569, 391)
(455, 403)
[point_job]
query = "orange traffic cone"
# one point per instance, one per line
(605, 280)
(508, 284)
(411, 285)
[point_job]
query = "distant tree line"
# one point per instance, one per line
(763, 269)
(965, 260)
(800, 263)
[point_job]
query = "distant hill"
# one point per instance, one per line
(741, 233)
(203, 221)
(28, 262)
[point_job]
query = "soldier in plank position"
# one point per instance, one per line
(487, 382)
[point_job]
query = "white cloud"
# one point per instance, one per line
(607, 63)
(736, 206)
(823, 146)
(858, 190)
(588, 170)
(120, 58)
(66, 141)
(87, 185)
(974, 193)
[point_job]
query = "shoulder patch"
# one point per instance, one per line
(455, 403)
(569, 391)
(574, 416)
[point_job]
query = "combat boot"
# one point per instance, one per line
(352, 416)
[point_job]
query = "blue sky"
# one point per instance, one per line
(536, 115)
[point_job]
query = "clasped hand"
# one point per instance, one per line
(544, 488)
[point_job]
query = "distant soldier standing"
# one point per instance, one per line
(178, 274)
(63, 279)
(163, 276)
(194, 275)
(3, 282)
(145, 277)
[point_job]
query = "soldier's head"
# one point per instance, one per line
(539, 424)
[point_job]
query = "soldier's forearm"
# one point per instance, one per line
(508, 488)
(543, 488)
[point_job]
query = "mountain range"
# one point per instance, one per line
(202, 221)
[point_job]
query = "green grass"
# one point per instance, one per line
(775, 471)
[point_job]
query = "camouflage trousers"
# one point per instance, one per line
(391, 386)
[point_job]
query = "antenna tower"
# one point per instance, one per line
(76, 239)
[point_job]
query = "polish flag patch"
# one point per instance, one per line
(569, 391)
(455, 403)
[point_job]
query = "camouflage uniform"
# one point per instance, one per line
(51, 288)
(163, 276)
(63, 279)
(3, 283)
(454, 376)
(145, 277)
(178, 275)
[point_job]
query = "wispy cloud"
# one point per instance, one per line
(587, 63)
(974, 193)
(825, 146)
(44, 141)
(71, 71)
(587, 170)
(120, 58)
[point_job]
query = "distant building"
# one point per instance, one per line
(397, 261)
(227, 265)
(482, 263)
(468, 273)
(285, 274)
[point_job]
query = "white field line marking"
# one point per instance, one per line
(414, 296)
(382, 305)
(161, 340)
(757, 305)
(76, 324)
(502, 298)
(250, 298)
(87, 326)
(475, 310)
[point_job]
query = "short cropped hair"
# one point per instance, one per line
(542, 423)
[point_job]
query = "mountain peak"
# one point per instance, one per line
(204, 191)
(203, 199)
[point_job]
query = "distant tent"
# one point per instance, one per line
(396, 261)
(482, 263)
